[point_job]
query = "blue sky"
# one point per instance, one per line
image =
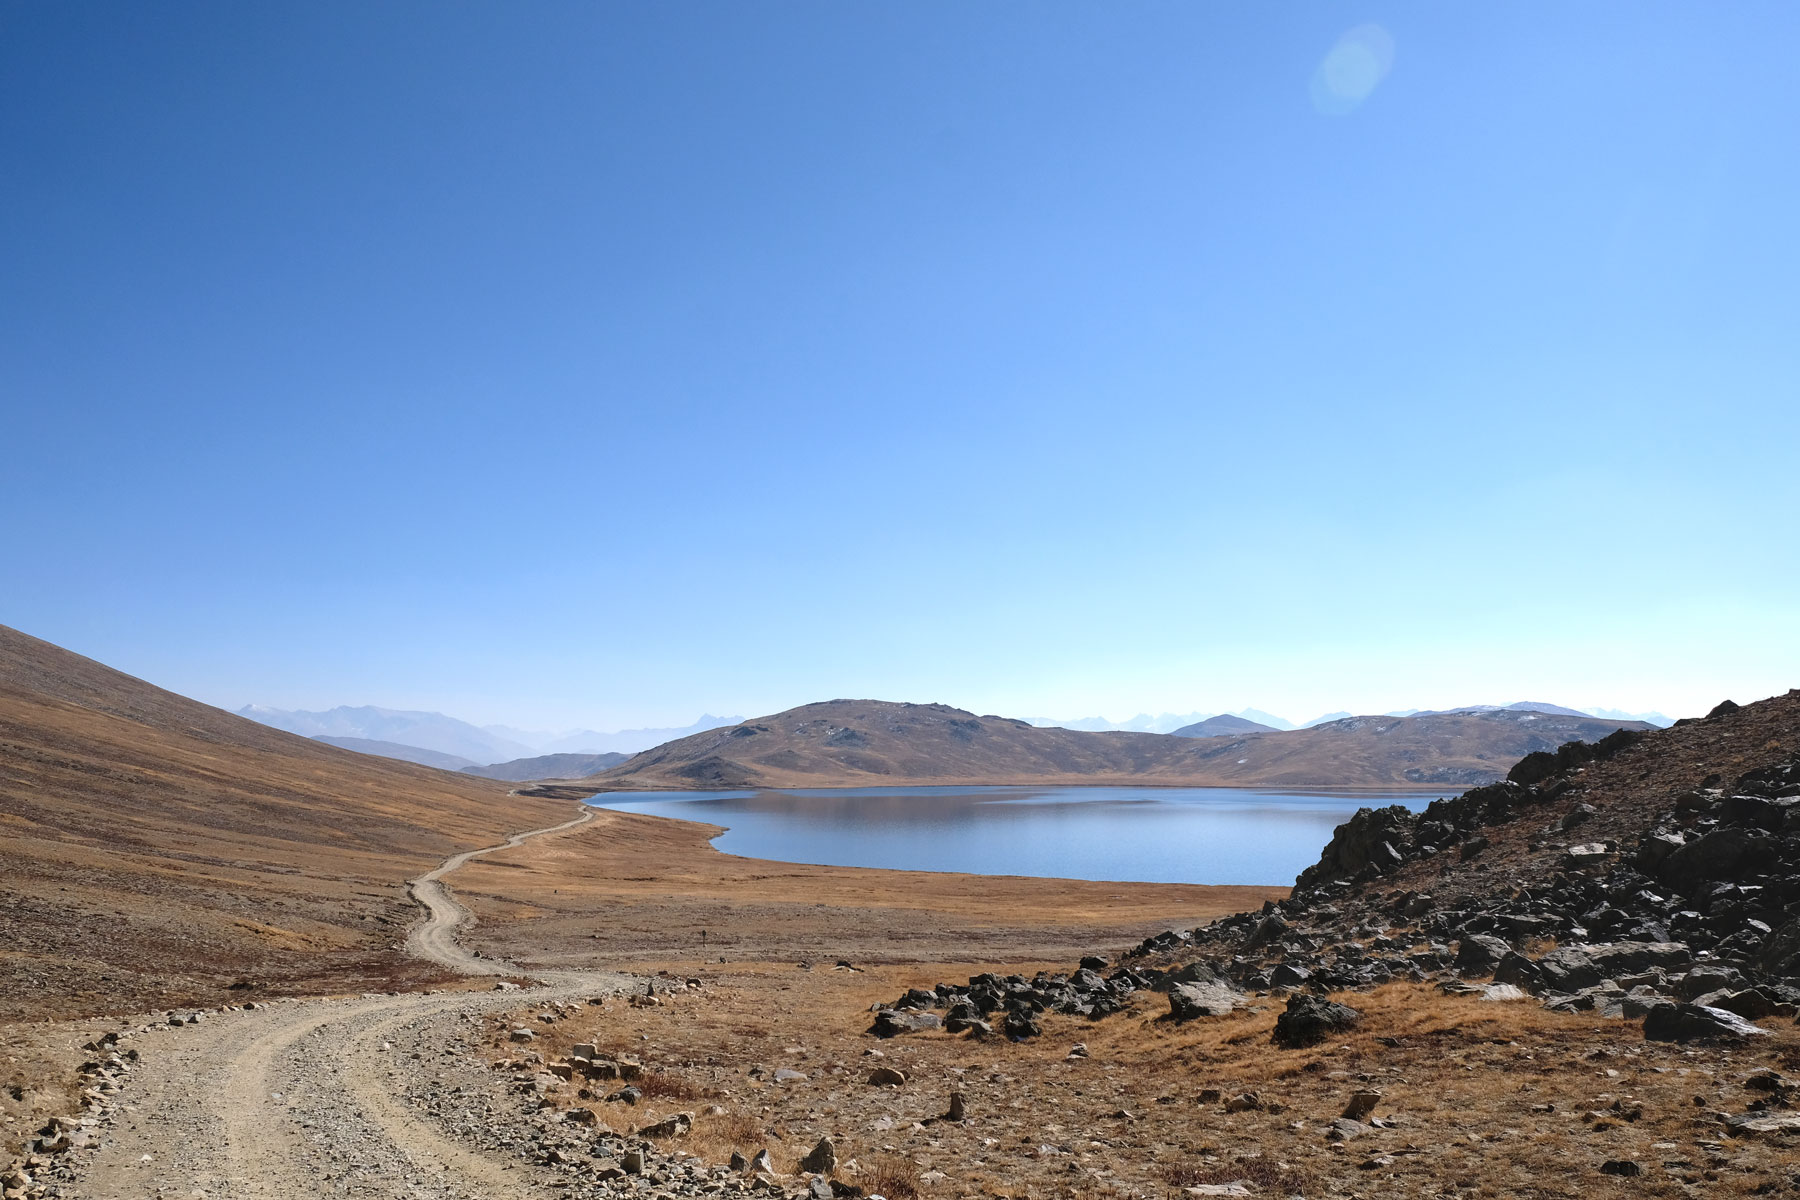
(576, 364)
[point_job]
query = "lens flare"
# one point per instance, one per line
(1352, 69)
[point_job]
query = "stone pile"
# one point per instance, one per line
(1696, 917)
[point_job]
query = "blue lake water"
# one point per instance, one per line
(1155, 835)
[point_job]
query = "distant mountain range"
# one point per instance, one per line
(1171, 723)
(474, 744)
(435, 740)
(1164, 723)
(411, 754)
(861, 743)
(549, 766)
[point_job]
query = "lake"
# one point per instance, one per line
(1152, 835)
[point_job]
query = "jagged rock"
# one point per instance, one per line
(1188, 1001)
(1753, 1004)
(1719, 855)
(1780, 953)
(1267, 930)
(1289, 975)
(1763, 1125)
(821, 1159)
(1693, 1022)
(1711, 977)
(1588, 854)
(1310, 1019)
(1570, 968)
(1520, 972)
(1480, 953)
(1369, 839)
(891, 1022)
(1021, 1025)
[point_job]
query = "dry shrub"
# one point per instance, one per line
(1262, 1174)
(895, 1177)
(657, 1086)
(739, 1129)
(715, 1137)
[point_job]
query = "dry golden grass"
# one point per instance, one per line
(894, 1176)
(1463, 1083)
(154, 850)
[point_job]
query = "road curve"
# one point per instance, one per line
(434, 938)
(333, 1097)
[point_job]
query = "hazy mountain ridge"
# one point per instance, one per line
(424, 730)
(411, 754)
(474, 744)
(548, 766)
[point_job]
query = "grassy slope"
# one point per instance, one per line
(153, 850)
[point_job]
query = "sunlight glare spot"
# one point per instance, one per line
(1352, 69)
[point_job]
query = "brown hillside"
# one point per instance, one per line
(154, 850)
(867, 742)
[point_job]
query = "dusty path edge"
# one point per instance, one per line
(433, 938)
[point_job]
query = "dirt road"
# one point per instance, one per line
(434, 938)
(358, 1097)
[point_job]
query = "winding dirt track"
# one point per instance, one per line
(304, 1098)
(435, 937)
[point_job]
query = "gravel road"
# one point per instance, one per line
(377, 1096)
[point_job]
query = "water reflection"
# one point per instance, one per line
(1158, 835)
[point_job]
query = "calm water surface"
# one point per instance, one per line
(1157, 835)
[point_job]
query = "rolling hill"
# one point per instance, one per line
(842, 743)
(155, 851)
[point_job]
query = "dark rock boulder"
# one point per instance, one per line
(892, 1023)
(1480, 953)
(1310, 1019)
(1695, 1022)
(1780, 953)
(1188, 1001)
(1721, 855)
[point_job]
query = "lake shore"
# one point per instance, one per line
(627, 888)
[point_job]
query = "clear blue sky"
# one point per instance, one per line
(598, 364)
